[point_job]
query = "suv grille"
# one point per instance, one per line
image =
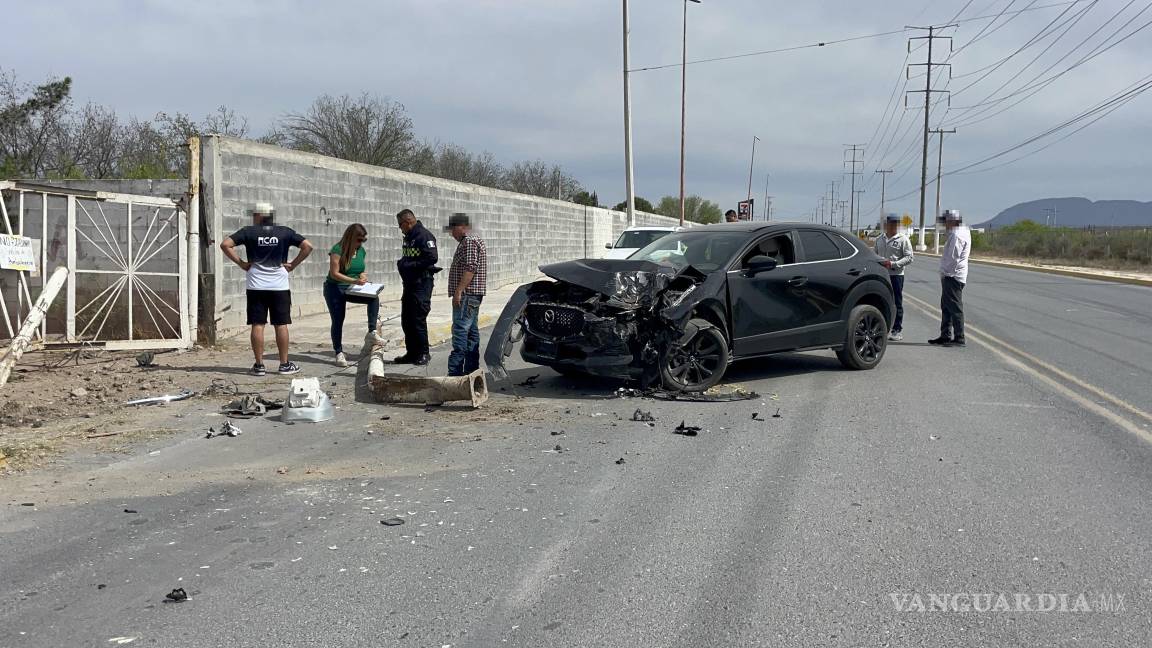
(554, 320)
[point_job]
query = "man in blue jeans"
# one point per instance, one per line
(467, 284)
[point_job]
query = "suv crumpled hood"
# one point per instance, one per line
(625, 282)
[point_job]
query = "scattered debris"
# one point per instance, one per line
(620, 461)
(166, 398)
(777, 414)
(933, 437)
(177, 595)
(101, 586)
(131, 511)
(228, 429)
(530, 381)
(146, 360)
(686, 430)
(104, 434)
(642, 416)
(557, 432)
(756, 417)
(282, 470)
(428, 409)
(221, 387)
(28, 504)
(122, 640)
(710, 396)
(79, 392)
(558, 448)
(385, 418)
(392, 521)
(250, 405)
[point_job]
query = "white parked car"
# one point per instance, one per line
(634, 238)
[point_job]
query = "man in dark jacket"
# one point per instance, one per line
(417, 264)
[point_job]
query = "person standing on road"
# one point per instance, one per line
(467, 284)
(731, 216)
(266, 245)
(953, 276)
(416, 266)
(346, 267)
(896, 250)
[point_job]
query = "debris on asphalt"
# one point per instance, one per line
(250, 405)
(557, 432)
(307, 403)
(392, 521)
(428, 409)
(620, 461)
(162, 400)
(713, 395)
(146, 360)
(530, 381)
(777, 414)
(79, 392)
(221, 387)
(756, 417)
(177, 595)
(228, 429)
(686, 430)
(558, 448)
(385, 418)
(933, 437)
(131, 511)
(642, 416)
(104, 434)
(101, 586)
(282, 470)
(28, 504)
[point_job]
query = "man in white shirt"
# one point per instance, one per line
(896, 250)
(953, 276)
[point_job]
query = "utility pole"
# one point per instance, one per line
(927, 109)
(853, 173)
(766, 196)
(683, 104)
(629, 177)
(939, 175)
(856, 219)
(823, 203)
(883, 186)
(843, 204)
(750, 166)
(832, 206)
(767, 207)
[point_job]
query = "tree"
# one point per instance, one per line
(30, 127)
(539, 179)
(696, 209)
(587, 199)
(453, 162)
(639, 203)
(366, 129)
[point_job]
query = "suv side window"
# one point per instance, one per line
(778, 247)
(818, 247)
(846, 247)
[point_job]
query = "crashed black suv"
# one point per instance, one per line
(680, 310)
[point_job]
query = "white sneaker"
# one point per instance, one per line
(342, 361)
(896, 336)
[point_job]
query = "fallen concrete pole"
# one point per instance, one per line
(20, 343)
(403, 388)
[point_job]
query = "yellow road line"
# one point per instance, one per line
(1002, 350)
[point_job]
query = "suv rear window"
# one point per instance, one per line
(846, 247)
(818, 247)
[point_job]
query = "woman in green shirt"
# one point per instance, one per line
(346, 267)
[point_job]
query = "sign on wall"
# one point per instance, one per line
(17, 253)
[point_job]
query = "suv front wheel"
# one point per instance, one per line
(699, 364)
(865, 338)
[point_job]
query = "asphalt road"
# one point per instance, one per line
(943, 472)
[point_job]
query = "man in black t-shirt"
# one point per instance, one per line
(266, 245)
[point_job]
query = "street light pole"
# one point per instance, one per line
(683, 102)
(629, 178)
(766, 176)
(751, 165)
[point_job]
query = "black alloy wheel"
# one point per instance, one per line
(699, 364)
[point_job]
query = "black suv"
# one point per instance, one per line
(680, 310)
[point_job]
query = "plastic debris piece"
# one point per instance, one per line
(392, 521)
(777, 414)
(306, 402)
(686, 430)
(530, 381)
(642, 416)
(131, 511)
(620, 461)
(177, 595)
(146, 360)
(166, 398)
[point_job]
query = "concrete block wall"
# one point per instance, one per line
(319, 196)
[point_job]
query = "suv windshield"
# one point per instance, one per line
(638, 238)
(705, 251)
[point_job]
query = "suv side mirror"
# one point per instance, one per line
(607, 246)
(759, 263)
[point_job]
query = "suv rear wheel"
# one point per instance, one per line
(698, 365)
(865, 339)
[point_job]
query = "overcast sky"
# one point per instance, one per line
(531, 79)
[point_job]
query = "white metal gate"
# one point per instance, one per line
(127, 257)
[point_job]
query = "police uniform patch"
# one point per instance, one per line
(431, 244)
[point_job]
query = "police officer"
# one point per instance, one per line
(417, 264)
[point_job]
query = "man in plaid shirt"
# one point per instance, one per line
(467, 284)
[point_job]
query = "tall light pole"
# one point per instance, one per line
(751, 165)
(629, 178)
(683, 102)
(766, 176)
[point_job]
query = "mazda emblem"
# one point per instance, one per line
(549, 316)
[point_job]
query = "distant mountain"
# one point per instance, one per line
(1076, 212)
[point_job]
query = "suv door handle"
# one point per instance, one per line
(855, 272)
(797, 282)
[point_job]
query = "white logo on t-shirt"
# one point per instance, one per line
(267, 240)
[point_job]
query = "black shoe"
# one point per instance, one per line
(940, 341)
(258, 370)
(422, 360)
(958, 342)
(404, 359)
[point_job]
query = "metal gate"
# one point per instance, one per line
(127, 258)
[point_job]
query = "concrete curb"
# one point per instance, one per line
(1081, 274)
